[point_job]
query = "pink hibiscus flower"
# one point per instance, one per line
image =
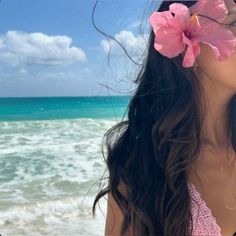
(187, 29)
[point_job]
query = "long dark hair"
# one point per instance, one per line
(157, 144)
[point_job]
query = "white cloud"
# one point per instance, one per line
(80, 74)
(133, 44)
(134, 24)
(19, 48)
(23, 71)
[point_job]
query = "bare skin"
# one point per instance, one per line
(216, 165)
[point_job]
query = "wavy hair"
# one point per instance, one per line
(155, 147)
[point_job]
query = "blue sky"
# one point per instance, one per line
(51, 48)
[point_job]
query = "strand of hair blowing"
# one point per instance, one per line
(154, 148)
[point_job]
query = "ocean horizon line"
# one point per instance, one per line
(68, 96)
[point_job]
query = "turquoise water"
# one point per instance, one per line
(50, 161)
(62, 107)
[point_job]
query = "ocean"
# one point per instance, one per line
(51, 161)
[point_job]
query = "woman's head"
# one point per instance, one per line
(210, 33)
(158, 143)
(219, 73)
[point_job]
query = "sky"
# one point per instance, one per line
(51, 47)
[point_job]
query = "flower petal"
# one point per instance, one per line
(159, 19)
(168, 43)
(215, 9)
(168, 31)
(193, 49)
(181, 12)
(221, 40)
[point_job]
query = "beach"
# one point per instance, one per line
(50, 168)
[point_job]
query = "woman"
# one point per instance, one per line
(172, 171)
